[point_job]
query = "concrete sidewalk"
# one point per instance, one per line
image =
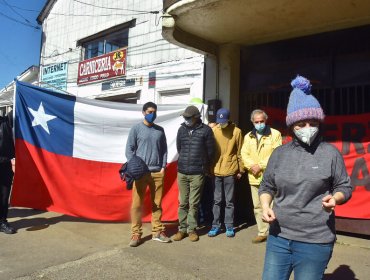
(54, 246)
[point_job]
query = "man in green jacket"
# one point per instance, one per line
(228, 167)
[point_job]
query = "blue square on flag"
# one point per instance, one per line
(44, 118)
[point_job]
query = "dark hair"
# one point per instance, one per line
(149, 105)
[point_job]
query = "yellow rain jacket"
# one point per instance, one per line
(256, 151)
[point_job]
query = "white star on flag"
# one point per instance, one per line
(40, 118)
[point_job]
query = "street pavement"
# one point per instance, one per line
(54, 246)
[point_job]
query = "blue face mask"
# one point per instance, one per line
(260, 127)
(151, 117)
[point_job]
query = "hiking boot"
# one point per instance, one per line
(179, 236)
(6, 228)
(193, 236)
(161, 237)
(259, 239)
(214, 231)
(135, 240)
(230, 232)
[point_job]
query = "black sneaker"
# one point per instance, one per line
(6, 228)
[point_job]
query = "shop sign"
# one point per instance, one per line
(117, 84)
(102, 67)
(55, 75)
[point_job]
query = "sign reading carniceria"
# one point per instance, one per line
(102, 67)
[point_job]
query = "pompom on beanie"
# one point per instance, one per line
(302, 104)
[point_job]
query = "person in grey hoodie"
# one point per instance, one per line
(306, 178)
(148, 141)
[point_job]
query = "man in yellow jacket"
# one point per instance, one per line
(228, 167)
(257, 148)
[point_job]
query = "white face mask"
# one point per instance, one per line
(307, 134)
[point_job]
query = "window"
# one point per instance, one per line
(107, 40)
(107, 44)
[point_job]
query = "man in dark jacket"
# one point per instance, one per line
(7, 163)
(195, 145)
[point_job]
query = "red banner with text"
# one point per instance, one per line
(351, 135)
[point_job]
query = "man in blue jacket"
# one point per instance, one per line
(195, 145)
(148, 141)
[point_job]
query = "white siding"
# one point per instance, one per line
(70, 21)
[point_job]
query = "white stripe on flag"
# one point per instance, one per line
(101, 133)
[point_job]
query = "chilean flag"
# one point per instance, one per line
(69, 151)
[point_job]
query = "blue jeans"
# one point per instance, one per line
(307, 260)
(224, 191)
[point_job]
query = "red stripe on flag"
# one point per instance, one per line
(81, 188)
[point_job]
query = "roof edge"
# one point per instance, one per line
(45, 11)
(181, 38)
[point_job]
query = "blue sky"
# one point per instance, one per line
(20, 40)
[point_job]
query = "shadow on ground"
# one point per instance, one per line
(31, 223)
(343, 272)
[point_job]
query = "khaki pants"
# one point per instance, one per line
(155, 182)
(263, 227)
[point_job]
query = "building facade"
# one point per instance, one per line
(254, 49)
(30, 75)
(113, 50)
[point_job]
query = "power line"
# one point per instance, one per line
(101, 15)
(16, 12)
(26, 20)
(135, 13)
(121, 9)
(13, 19)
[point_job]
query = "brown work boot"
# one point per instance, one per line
(259, 239)
(193, 236)
(179, 236)
(135, 240)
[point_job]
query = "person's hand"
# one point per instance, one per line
(268, 215)
(162, 170)
(255, 169)
(239, 175)
(328, 203)
(13, 164)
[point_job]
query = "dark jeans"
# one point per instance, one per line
(206, 202)
(224, 191)
(6, 179)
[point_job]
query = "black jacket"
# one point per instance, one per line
(6, 138)
(196, 147)
(132, 170)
